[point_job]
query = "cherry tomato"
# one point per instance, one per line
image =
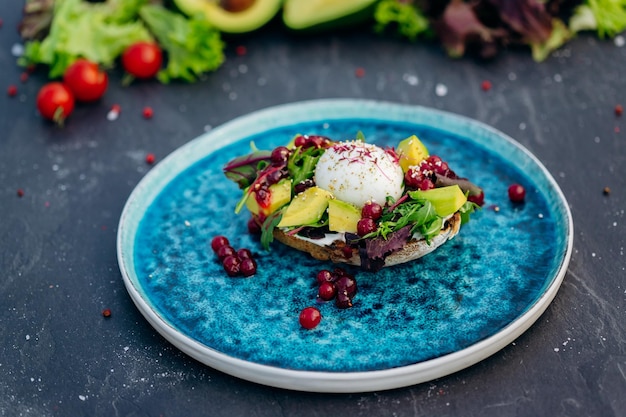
(142, 59)
(86, 80)
(55, 102)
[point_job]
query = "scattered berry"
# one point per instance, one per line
(517, 193)
(486, 85)
(310, 317)
(359, 72)
(338, 285)
(619, 110)
(324, 276)
(343, 300)
(225, 251)
(241, 50)
(247, 267)
(327, 291)
(147, 112)
(219, 241)
(20, 192)
(244, 253)
(12, 90)
(232, 265)
(24, 77)
(606, 191)
(234, 262)
(106, 312)
(150, 158)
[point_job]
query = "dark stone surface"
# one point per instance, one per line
(60, 357)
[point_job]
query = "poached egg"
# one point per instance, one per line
(357, 172)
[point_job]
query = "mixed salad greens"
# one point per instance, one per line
(489, 25)
(58, 32)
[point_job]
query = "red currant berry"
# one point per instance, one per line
(324, 276)
(327, 291)
(477, 198)
(310, 317)
(365, 226)
(147, 112)
(247, 267)
(300, 141)
(244, 253)
(348, 284)
(517, 193)
(280, 156)
(225, 251)
(219, 241)
(319, 141)
(338, 273)
(426, 184)
(232, 265)
(253, 227)
(343, 300)
(372, 210)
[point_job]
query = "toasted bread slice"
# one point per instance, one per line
(336, 252)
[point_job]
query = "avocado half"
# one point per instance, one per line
(233, 16)
(320, 15)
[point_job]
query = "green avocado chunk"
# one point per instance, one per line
(233, 16)
(308, 207)
(445, 200)
(319, 15)
(342, 216)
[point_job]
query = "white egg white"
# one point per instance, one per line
(357, 172)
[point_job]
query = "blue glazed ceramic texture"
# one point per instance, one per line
(472, 287)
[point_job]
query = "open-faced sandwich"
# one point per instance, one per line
(353, 202)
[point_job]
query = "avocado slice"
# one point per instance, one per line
(445, 200)
(319, 15)
(411, 151)
(307, 207)
(233, 16)
(342, 216)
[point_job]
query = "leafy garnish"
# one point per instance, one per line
(467, 209)
(81, 29)
(193, 46)
(607, 17)
(418, 214)
(301, 164)
(101, 31)
(408, 19)
(244, 169)
(268, 226)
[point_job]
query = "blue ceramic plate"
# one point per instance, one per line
(409, 324)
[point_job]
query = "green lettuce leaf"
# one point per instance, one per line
(407, 18)
(609, 17)
(193, 46)
(97, 32)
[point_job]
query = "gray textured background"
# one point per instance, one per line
(59, 357)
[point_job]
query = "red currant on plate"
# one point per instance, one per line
(517, 193)
(310, 317)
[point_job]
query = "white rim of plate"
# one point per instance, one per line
(321, 381)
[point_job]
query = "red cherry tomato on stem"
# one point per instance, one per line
(142, 59)
(55, 102)
(86, 80)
